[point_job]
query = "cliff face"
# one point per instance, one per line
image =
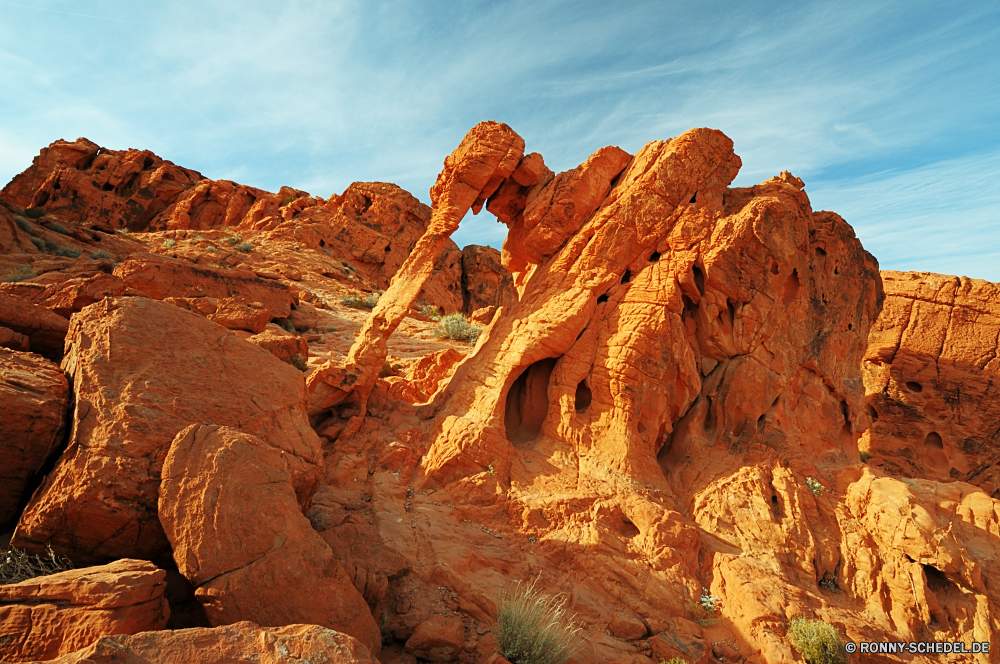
(683, 390)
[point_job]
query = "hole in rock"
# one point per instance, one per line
(850, 326)
(760, 423)
(774, 500)
(872, 413)
(694, 198)
(936, 579)
(699, 278)
(933, 441)
(914, 387)
(654, 257)
(528, 402)
(792, 285)
(364, 207)
(388, 248)
(908, 559)
(708, 414)
(107, 187)
(820, 251)
(774, 267)
(641, 427)
(629, 529)
(583, 396)
(602, 298)
(732, 310)
(627, 277)
(146, 163)
(322, 243)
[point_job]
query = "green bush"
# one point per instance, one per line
(17, 566)
(25, 225)
(673, 660)
(534, 628)
(22, 272)
(69, 252)
(38, 242)
(100, 253)
(430, 311)
(168, 244)
(817, 641)
(456, 327)
(34, 213)
(814, 486)
(299, 362)
(232, 240)
(358, 302)
(865, 456)
(244, 247)
(56, 227)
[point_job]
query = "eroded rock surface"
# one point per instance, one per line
(53, 615)
(229, 508)
(240, 642)
(143, 370)
(35, 396)
(931, 372)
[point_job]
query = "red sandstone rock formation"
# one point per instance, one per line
(930, 372)
(35, 396)
(143, 370)
(222, 486)
(240, 642)
(669, 405)
(53, 615)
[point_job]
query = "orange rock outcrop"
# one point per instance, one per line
(53, 615)
(696, 411)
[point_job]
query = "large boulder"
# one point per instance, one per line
(161, 277)
(240, 642)
(44, 329)
(35, 396)
(143, 370)
(931, 376)
(228, 506)
(48, 616)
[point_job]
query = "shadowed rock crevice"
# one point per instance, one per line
(527, 402)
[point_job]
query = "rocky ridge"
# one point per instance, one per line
(683, 390)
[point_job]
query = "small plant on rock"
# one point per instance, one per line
(25, 225)
(865, 456)
(430, 311)
(55, 227)
(100, 253)
(34, 213)
(357, 302)
(69, 252)
(702, 610)
(673, 660)
(533, 627)
(814, 486)
(167, 244)
(245, 247)
(299, 362)
(817, 641)
(20, 273)
(457, 328)
(17, 565)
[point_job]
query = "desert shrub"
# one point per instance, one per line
(38, 242)
(244, 247)
(814, 486)
(55, 227)
(299, 362)
(865, 456)
(357, 302)
(285, 324)
(34, 213)
(212, 249)
(232, 240)
(167, 244)
(386, 370)
(673, 660)
(533, 627)
(20, 273)
(25, 225)
(703, 610)
(430, 311)
(17, 566)
(100, 253)
(817, 641)
(456, 327)
(69, 252)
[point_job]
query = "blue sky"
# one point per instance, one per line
(890, 111)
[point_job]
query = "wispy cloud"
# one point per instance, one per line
(316, 94)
